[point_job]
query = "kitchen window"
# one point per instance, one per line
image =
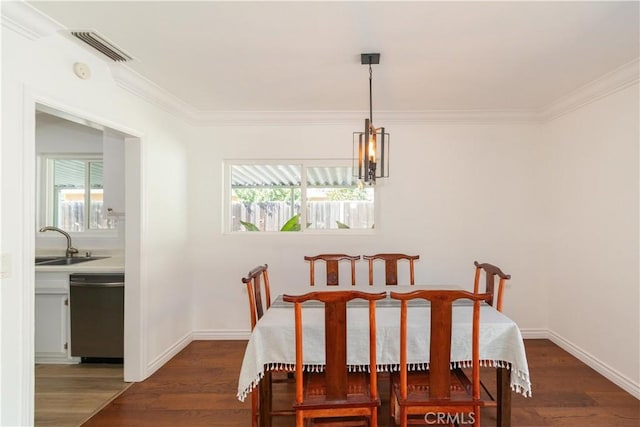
(72, 193)
(300, 196)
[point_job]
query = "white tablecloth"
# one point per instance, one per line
(272, 343)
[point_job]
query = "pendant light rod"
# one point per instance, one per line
(370, 59)
(370, 96)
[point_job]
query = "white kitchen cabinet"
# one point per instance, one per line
(52, 327)
(51, 319)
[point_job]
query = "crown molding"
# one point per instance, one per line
(618, 79)
(145, 89)
(466, 116)
(32, 24)
(27, 21)
(610, 83)
(277, 118)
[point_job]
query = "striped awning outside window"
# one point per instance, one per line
(246, 176)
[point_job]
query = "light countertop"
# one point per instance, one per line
(112, 264)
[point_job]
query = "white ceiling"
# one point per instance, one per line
(305, 56)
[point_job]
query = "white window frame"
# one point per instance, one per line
(44, 208)
(304, 163)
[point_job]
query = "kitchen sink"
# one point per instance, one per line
(65, 261)
(40, 259)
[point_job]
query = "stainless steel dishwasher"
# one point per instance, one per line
(97, 316)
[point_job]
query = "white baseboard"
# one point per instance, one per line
(602, 368)
(168, 354)
(535, 334)
(237, 334)
(177, 347)
(588, 359)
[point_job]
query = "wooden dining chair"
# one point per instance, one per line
(490, 272)
(332, 262)
(440, 389)
(391, 267)
(257, 282)
(337, 393)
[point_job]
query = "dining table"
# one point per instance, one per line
(271, 346)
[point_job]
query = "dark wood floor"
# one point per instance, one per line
(198, 388)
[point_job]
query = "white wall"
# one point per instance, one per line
(591, 251)
(457, 193)
(40, 70)
(56, 135)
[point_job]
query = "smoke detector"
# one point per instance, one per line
(82, 70)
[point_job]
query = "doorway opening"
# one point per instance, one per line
(122, 237)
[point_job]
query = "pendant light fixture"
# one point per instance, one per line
(371, 147)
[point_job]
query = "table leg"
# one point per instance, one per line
(503, 377)
(265, 400)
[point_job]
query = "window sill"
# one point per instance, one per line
(335, 232)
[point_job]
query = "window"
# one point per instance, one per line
(271, 196)
(72, 193)
(335, 201)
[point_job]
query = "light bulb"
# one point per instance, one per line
(372, 144)
(372, 147)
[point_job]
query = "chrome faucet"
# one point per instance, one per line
(71, 251)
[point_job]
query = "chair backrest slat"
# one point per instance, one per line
(391, 266)
(335, 313)
(440, 349)
(332, 262)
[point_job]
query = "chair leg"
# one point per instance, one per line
(254, 407)
(392, 404)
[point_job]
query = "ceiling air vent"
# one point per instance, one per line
(100, 44)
